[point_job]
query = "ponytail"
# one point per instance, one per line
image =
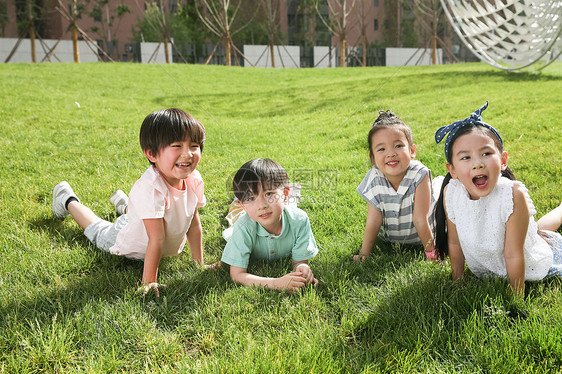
(441, 243)
(508, 174)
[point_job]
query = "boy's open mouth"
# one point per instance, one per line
(183, 164)
(480, 181)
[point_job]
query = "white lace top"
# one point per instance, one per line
(481, 228)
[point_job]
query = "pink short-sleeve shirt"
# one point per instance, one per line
(152, 197)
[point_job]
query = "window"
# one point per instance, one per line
(376, 3)
(173, 6)
(97, 14)
(376, 23)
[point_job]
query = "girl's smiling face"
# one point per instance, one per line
(392, 154)
(477, 163)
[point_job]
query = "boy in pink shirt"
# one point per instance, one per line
(161, 210)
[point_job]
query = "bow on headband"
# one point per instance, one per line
(475, 118)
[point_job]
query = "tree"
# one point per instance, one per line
(29, 14)
(271, 14)
(399, 28)
(159, 22)
(76, 9)
(110, 19)
(430, 17)
(147, 29)
(72, 17)
(218, 16)
(362, 24)
(337, 22)
(186, 25)
(31, 29)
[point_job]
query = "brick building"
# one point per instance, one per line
(111, 26)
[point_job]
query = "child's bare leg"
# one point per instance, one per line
(82, 214)
(552, 220)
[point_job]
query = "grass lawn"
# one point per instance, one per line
(65, 306)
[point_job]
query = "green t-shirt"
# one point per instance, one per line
(250, 239)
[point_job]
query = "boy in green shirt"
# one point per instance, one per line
(270, 229)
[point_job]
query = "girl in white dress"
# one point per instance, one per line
(484, 217)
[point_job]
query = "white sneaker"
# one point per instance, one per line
(61, 193)
(120, 201)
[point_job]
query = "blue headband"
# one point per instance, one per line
(475, 118)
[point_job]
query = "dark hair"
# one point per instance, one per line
(385, 120)
(164, 127)
(259, 172)
(441, 240)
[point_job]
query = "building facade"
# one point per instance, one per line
(110, 26)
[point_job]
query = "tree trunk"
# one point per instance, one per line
(166, 50)
(364, 46)
(399, 24)
(227, 42)
(342, 52)
(31, 30)
(434, 50)
(272, 53)
(75, 51)
(32, 40)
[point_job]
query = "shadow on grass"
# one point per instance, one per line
(407, 311)
(413, 307)
(106, 279)
(422, 315)
(97, 277)
(385, 259)
(505, 75)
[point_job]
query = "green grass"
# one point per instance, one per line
(65, 306)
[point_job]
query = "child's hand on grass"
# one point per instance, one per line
(306, 272)
(213, 266)
(290, 282)
(431, 252)
(148, 286)
(432, 256)
(359, 257)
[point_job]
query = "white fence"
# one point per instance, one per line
(286, 56)
(324, 57)
(257, 55)
(411, 56)
(154, 52)
(150, 52)
(62, 52)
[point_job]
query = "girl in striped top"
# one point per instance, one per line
(397, 189)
